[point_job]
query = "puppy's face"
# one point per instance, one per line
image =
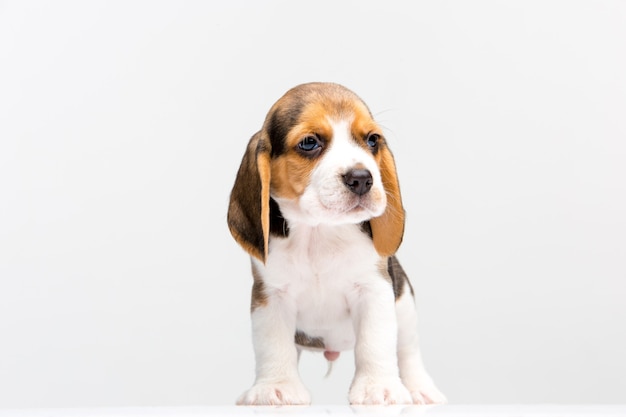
(322, 159)
(326, 167)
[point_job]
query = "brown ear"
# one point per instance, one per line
(388, 228)
(248, 211)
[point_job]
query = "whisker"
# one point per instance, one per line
(381, 112)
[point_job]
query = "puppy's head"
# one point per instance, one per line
(319, 158)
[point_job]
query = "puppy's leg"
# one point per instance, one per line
(376, 380)
(277, 380)
(412, 371)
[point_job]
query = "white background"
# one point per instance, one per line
(122, 124)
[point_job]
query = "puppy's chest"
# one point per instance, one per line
(320, 263)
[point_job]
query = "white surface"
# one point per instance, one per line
(444, 410)
(122, 124)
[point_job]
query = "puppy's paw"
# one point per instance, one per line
(376, 391)
(427, 394)
(286, 392)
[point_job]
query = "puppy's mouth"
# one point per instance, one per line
(357, 205)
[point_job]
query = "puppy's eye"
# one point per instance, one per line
(372, 140)
(309, 144)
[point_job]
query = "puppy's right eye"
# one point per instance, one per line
(309, 144)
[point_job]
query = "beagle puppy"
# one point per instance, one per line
(316, 203)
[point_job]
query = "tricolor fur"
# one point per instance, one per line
(317, 205)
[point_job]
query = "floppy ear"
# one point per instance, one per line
(249, 211)
(388, 228)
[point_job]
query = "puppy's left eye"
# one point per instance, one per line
(372, 140)
(309, 144)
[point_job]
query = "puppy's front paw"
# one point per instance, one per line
(287, 392)
(427, 394)
(423, 389)
(375, 391)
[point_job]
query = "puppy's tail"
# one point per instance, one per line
(331, 357)
(330, 369)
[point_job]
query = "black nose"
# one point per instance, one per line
(359, 181)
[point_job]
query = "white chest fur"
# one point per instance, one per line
(318, 273)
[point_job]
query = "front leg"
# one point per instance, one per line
(412, 371)
(277, 380)
(376, 380)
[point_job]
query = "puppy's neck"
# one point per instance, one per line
(311, 244)
(291, 213)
